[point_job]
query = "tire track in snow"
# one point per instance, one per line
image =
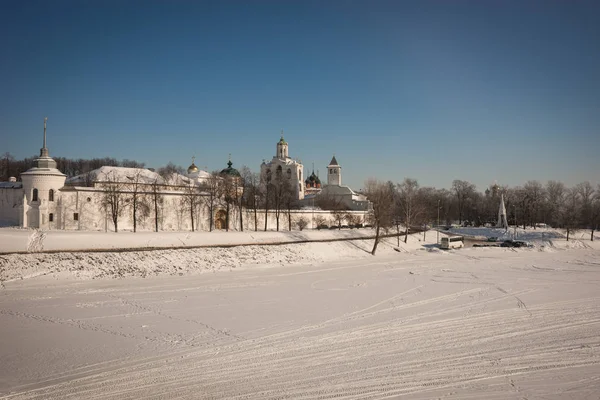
(405, 361)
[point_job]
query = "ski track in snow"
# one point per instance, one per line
(519, 326)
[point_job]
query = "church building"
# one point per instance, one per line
(283, 166)
(343, 195)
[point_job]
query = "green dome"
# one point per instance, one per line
(313, 179)
(230, 170)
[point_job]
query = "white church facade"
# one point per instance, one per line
(284, 166)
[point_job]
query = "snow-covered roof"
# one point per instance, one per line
(122, 174)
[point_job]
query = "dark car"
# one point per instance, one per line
(322, 227)
(514, 243)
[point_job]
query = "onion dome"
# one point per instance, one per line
(192, 168)
(230, 170)
(312, 180)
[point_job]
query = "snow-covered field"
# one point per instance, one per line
(303, 321)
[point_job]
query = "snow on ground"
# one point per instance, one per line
(119, 264)
(304, 321)
(529, 234)
(23, 240)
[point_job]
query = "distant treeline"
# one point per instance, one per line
(9, 166)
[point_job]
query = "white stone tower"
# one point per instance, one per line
(334, 173)
(502, 221)
(40, 188)
(282, 149)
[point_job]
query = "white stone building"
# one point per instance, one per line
(45, 199)
(288, 168)
(35, 202)
(341, 195)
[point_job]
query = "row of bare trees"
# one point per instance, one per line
(530, 205)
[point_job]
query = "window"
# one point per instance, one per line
(51, 195)
(34, 197)
(289, 173)
(279, 171)
(75, 216)
(51, 217)
(331, 171)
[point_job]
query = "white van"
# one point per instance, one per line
(452, 242)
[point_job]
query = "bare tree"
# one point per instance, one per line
(252, 192)
(212, 187)
(135, 186)
(170, 169)
(113, 197)
(320, 221)
(352, 220)
(571, 211)
(586, 195)
(7, 159)
(535, 194)
(267, 189)
(280, 194)
(555, 192)
(382, 198)
(462, 190)
(192, 201)
(410, 208)
(338, 216)
(157, 199)
(230, 195)
(595, 215)
(131, 164)
(301, 223)
(290, 201)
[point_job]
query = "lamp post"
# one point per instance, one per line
(312, 218)
(438, 223)
(515, 209)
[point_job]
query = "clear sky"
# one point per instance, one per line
(482, 91)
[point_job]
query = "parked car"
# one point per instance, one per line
(322, 227)
(345, 227)
(492, 239)
(514, 243)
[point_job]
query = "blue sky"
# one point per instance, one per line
(482, 91)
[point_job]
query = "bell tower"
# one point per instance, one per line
(282, 148)
(334, 173)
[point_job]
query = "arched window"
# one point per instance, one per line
(279, 171)
(331, 171)
(34, 196)
(289, 173)
(268, 175)
(51, 195)
(300, 175)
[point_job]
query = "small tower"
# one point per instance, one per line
(334, 173)
(282, 148)
(41, 185)
(502, 222)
